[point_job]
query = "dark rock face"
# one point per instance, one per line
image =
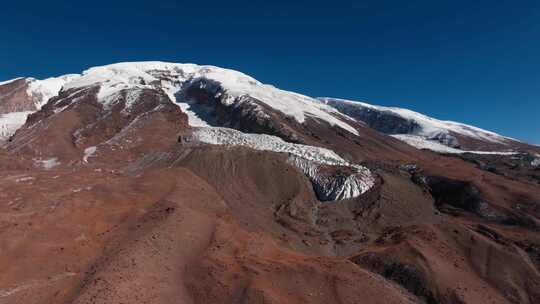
(408, 276)
(456, 193)
(246, 114)
(524, 166)
(446, 139)
(452, 195)
(384, 122)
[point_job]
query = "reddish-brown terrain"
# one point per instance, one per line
(103, 205)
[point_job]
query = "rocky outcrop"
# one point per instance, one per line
(522, 166)
(385, 122)
(409, 276)
(14, 97)
(449, 193)
(445, 138)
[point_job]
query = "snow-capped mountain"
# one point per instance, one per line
(204, 93)
(176, 79)
(422, 131)
(107, 175)
(215, 100)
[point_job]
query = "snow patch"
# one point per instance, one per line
(421, 142)
(11, 122)
(131, 98)
(77, 190)
(89, 152)
(24, 179)
(48, 164)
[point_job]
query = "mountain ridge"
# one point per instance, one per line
(239, 84)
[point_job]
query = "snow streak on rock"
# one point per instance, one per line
(421, 142)
(333, 177)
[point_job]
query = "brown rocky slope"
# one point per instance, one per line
(117, 203)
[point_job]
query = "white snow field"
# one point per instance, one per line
(117, 77)
(42, 90)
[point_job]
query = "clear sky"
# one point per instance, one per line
(476, 62)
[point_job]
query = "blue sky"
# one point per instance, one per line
(476, 62)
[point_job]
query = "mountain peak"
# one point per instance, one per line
(175, 77)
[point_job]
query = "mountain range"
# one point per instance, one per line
(155, 182)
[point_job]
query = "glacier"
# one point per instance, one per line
(349, 180)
